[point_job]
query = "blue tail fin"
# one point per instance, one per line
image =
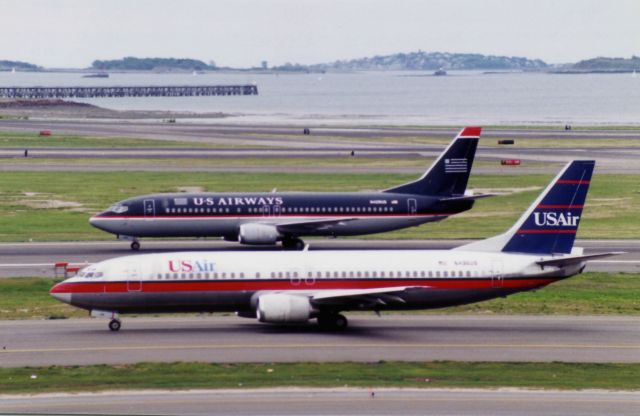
(449, 174)
(550, 224)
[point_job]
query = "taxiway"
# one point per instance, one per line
(368, 339)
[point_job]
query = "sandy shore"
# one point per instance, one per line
(64, 109)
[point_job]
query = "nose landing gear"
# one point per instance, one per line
(135, 245)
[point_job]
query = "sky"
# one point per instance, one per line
(242, 33)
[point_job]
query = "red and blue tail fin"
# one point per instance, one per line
(550, 224)
(449, 174)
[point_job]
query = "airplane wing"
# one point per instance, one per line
(364, 298)
(569, 260)
(298, 226)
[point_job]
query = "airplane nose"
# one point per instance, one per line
(60, 294)
(98, 222)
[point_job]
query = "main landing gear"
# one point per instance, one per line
(135, 245)
(333, 321)
(114, 325)
(292, 243)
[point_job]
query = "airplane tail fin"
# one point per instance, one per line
(550, 224)
(449, 174)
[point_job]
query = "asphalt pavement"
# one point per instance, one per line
(342, 401)
(213, 338)
(38, 259)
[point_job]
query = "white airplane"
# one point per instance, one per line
(295, 287)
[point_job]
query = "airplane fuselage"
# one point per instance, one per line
(233, 281)
(222, 214)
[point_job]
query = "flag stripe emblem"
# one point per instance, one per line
(458, 165)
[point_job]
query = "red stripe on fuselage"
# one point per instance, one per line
(560, 206)
(572, 182)
(156, 286)
(547, 231)
(259, 216)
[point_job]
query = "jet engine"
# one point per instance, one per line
(258, 234)
(278, 308)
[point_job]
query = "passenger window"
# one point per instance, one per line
(374, 274)
(390, 274)
(224, 275)
(445, 274)
(319, 275)
(257, 275)
(438, 273)
(344, 275)
(233, 275)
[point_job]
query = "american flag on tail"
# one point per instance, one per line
(456, 165)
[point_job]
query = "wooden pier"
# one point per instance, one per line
(132, 91)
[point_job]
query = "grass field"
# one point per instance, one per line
(31, 140)
(45, 206)
(439, 374)
(586, 294)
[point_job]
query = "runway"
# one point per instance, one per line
(368, 339)
(621, 160)
(344, 401)
(195, 131)
(287, 142)
(37, 259)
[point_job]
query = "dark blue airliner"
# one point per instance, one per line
(266, 218)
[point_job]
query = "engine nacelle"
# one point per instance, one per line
(277, 308)
(258, 234)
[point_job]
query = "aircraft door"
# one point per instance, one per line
(497, 273)
(412, 206)
(271, 210)
(149, 208)
(134, 282)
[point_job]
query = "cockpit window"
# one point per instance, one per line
(89, 272)
(118, 208)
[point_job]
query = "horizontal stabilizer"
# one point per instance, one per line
(466, 197)
(570, 260)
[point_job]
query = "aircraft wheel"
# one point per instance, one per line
(114, 325)
(334, 322)
(135, 246)
(293, 244)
